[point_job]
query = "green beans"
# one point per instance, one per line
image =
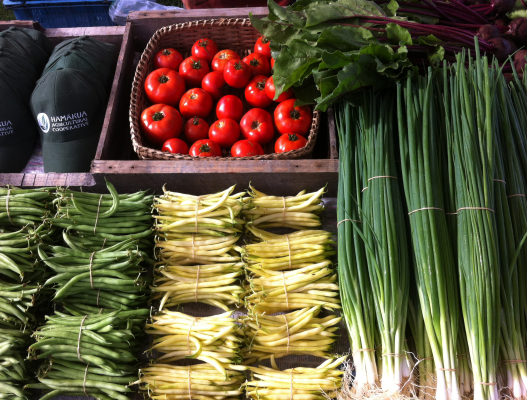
(86, 359)
(21, 207)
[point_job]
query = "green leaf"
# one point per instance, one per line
(429, 40)
(297, 18)
(437, 55)
(280, 33)
(391, 8)
(306, 93)
(335, 10)
(517, 14)
(398, 35)
(338, 59)
(345, 38)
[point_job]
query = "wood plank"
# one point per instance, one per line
(280, 177)
(115, 126)
(107, 34)
(51, 179)
(147, 23)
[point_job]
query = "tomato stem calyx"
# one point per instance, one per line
(166, 52)
(204, 148)
(265, 40)
(196, 64)
(238, 65)
(163, 79)
(203, 43)
(255, 125)
(260, 85)
(195, 121)
(295, 114)
(293, 137)
(158, 116)
(254, 62)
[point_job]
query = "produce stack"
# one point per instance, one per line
(21, 279)
(292, 275)
(195, 241)
(99, 280)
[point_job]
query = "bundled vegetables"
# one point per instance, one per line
(98, 221)
(92, 355)
(169, 382)
(294, 212)
(99, 281)
(23, 207)
(213, 339)
(215, 284)
(300, 332)
(297, 383)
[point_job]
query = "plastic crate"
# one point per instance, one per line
(62, 14)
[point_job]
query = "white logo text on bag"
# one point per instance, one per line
(6, 128)
(43, 122)
(69, 121)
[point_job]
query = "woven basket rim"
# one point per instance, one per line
(148, 153)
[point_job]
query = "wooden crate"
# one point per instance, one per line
(116, 161)
(117, 35)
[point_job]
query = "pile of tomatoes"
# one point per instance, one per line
(184, 93)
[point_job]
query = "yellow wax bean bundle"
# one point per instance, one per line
(198, 382)
(285, 252)
(275, 291)
(299, 332)
(295, 212)
(214, 340)
(214, 284)
(318, 383)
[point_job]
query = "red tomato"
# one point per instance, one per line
(205, 48)
(193, 69)
(270, 91)
(236, 73)
(258, 63)
(272, 62)
(262, 46)
(257, 125)
(160, 123)
(164, 86)
(246, 148)
(255, 92)
(288, 142)
(195, 129)
(214, 84)
(195, 103)
(225, 132)
(231, 107)
(175, 146)
(291, 119)
(205, 148)
(221, 58)
(168, 58)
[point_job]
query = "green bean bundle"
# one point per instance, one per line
(319, 383)
(101, 221)
(22, 207)
(275, 291)
(19, 254)
(294, 212)
(87, 282)
(92, 355)
(202, 381)
(215, 284)
(299, 332)
(214, 339)
(285, 252)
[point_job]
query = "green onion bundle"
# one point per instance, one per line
(294, 212)
(216, 284)
(297, 333)
(92, 355)
(276, 291)
(470, 112)
(202, 381)
(100, 221)
(354, 281)
(213, 339)
(24, 207)
(384, 231)
(436, 275)
(92, 282)
(297, 383)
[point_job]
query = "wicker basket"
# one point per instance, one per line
(236, 34)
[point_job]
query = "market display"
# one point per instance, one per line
(192, 87)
